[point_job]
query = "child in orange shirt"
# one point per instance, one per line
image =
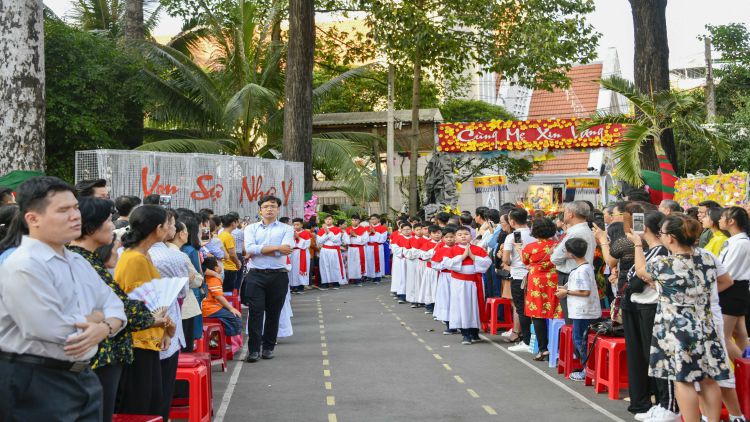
(215, 305)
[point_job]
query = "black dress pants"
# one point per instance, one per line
(109, 377)
(34, 393)
(264, 292)
(519, 300)
(140, 391)
(638, 380)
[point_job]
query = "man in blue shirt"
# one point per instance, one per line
(268, 243)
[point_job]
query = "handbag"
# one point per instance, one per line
(607, 328)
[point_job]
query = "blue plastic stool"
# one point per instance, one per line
(553, 330)
(746, 354)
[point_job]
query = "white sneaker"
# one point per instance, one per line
(508, 333)
(645, 415)
(663, 415)
(520, 347)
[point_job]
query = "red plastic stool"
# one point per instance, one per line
(120, 417)
(566, 360)
(611, 366)
(214, 328)
(590, 368)
(229, 355)
(742, 379)
(198, 408)
(187, 359)
(605, 313)
(491, 309)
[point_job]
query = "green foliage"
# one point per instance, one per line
(535, 41)
(90, 87)
(472, 111)
(732, 41)
(657, 112)
(369, 92)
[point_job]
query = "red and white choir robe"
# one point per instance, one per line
(398, 272)
(414, 268)
(374, 252)
(299, 275)
(428, 286)
(356, 238)
(443, 294)
(331, 262)
(467, 292)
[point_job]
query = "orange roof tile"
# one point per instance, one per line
(580, 100)
(574, 162)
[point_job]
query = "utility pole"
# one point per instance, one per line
(710, 98)
(390, 135)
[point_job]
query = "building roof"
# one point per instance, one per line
(426, 115)
(580, 100)
(573, 162)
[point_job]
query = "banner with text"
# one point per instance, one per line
(524, 135)
(223, 183)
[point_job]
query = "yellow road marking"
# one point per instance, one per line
(325, 352)
(407, 327)
(420, 340)
(323, 345)
(326, 362)
(322, 326)
(472, 393)
(489, 410)
(320, 321)
(458, 379)
(429, 349)
(438, 357)
(322, 338)
(398, 317)
(329, 385)
(414, 334)
(326, 373)
(330, 400)
(447, 367)
(332, 417)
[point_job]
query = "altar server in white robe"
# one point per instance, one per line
(299, 275)
(398, 272)
(332, 273)
(443, 295)
(467, 264)
(356, 237)
(374, 252)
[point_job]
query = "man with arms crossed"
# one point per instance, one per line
(54, 311)
(268, 243)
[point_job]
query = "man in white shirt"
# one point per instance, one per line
(576, 217)
(54, 311)
(514, 244)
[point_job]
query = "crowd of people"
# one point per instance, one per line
(69, 257)
(678, 285)
(677, 279)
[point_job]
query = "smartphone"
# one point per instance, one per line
(638, 223)
(516, 237)
(165, 201)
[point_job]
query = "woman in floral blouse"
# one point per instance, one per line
(541, 302)
(97, 232)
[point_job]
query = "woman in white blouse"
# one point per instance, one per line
(735, 301)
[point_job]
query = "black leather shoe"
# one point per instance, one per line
(252, 357)
(267, 354)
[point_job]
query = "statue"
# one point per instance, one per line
(440, 184)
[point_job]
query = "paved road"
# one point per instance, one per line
(356, 355)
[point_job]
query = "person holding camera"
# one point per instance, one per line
(268, 243)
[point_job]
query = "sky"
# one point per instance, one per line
(686, 20)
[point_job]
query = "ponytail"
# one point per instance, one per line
(740, 217)
(12, 232)
(144, 220)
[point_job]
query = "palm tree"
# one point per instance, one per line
(655, 114)
(108, 16)
(232, 101)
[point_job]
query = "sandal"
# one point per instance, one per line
(541, 356)
(514, 338)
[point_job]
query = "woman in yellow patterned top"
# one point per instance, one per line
(140, 389)
(718, 237)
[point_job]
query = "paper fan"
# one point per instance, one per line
(159, 293)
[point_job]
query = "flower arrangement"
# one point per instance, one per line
(524, 135)
(726, 189)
